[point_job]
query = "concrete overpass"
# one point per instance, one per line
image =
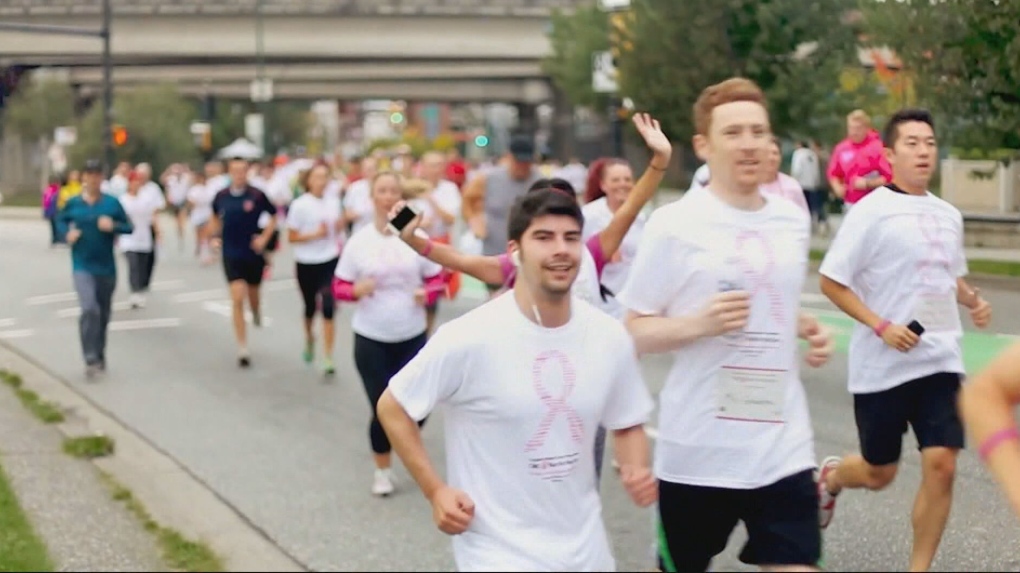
(437, 50)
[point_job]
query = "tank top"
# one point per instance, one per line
(501, 190)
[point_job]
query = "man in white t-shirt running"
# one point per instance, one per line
(897, 259)
(717, 282)
(526, 380)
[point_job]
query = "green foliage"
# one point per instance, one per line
(794, 50)
(965, 55)
(157, 119)
(38, 107)
(574, 38)
(287, 122)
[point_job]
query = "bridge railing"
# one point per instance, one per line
(30, 8)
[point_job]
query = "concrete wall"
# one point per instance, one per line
(999, 194)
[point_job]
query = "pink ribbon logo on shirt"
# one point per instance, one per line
(557, 405)
(758, 275)
(935, 262)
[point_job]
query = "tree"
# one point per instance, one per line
(157, 119)
(574, 38)
(965, 56)
(38, 107)
(288, 123)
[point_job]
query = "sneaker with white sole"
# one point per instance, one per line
(826, 500)
(382, 486)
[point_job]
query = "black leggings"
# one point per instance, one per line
(377, 362)
(315, 282)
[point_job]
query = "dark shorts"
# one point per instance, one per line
(781, 521)
(274, 242)
(928, 405)
(247, 270)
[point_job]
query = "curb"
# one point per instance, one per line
(174, 496)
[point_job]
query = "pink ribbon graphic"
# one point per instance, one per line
(556, 404)
(758, 278)
(936, 259)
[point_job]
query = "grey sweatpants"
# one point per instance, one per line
(95, 297)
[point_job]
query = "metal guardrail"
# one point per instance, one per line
(36, 8)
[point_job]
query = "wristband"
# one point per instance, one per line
(652, 166)
(995, 440)
(428, 249)
(881, 327)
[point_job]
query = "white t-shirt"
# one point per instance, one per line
(177, 187)
(140, 211)
(201, 197)
(153, 196)
(901, 254)
(390, 314)
(447, 196)
(359, 200)
(597, 217)
(306, 214)
(713, 431)
(521, 407)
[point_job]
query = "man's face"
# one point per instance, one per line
(92, 180)
(433, 167)
(737, 143)
(914, 154)
(238, 171)
(550, 253)
(856, 130)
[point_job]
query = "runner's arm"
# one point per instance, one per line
(487, 269)
(631, 447)
(474, 198)
(656, 334)
(405, 436)
(986, 407)
(848, 301)
(966, 295)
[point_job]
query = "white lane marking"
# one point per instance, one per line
(11, 334)
(200, 295)
(225, 309)
(75, 311)
(146, 323)
(8, 322)
(52, 298)
(161, 286)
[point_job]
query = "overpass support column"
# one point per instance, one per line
(527, 117)
(562, 139)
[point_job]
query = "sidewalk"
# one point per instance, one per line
(70, 507)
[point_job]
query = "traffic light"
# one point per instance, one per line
(481, 140)
(396, 117)
(619, 32)
(120, 135)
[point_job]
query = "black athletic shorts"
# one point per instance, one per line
(247, 270)
(781, 521)
(928, 405)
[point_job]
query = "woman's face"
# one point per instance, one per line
(74, 177)
(772, 160)
(317, 179)
(617, 181)
(386, 192)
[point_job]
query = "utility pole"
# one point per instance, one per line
(605, 79)
(103, 34)
(260, 74)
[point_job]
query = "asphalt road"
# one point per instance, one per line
(290, 450)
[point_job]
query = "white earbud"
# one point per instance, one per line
(515, 258)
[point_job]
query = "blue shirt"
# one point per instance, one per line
(239, 215)
(93, 251)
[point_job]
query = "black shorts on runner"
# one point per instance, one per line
(247, 270)
(781, 520)
(928, 405)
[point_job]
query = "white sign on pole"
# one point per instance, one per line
(262, 90)
(254, 127)
(65, 136)
(200, 127)
(603, 73)
(613, 5)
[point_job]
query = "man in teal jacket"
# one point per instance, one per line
(90, 222)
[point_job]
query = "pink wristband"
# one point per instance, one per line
(996, 439)
(428, 249)
(881, 327)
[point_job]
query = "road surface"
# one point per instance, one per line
(290, 451)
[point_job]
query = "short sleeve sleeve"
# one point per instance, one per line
(848, 252)
(655, 275)
(959, 266)
(296, 216)
(629, 403)
(347, 267)
(433, 376)
(265, 205)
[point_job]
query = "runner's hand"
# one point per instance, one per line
(364, 287)
(105, 224)
(72, 236)
(640, 484)
(452, 510)
(819, 339)
(981, 312)
(419, 297)
(900, 337)
(726, 312)
(654, 138)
